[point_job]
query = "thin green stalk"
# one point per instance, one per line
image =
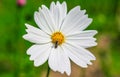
(48, 72)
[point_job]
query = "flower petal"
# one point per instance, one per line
(84, 38)
(48, 17)
(36, 49)
(52, 5)
(77, 55)
(39, 53)
(87, 33)
(64, 62)
(75, 21)
(58, 61)
(83, 43)
(33, 30)
(64, 9)
(82, 51)
(36, 35)
(52, 60)
(74, 57)
(36, 39)
(85, 23)
(43, 57)
(41, 22)
(58, 12)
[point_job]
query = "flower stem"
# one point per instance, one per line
(48, 72)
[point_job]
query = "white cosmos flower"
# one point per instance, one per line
(60, 37)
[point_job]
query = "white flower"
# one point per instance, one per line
(60, 37)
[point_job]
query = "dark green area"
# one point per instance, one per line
(14, 62)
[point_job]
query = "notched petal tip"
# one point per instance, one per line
(35, 16)
(68, 73)
(52, 3)
(36, 65)
(24, 36)
(27, 25)
(64, 2)
(62, 72)
(28, 53)
(35, 13)
(90, 63)
(90, 19)
(26, 30)
(39, 9)
(95, 44)
(31, 58)
(58, 3)
(84, 11)
(85, 66)
(86, 15)
(78, 7)
(96, 32)
(94, 58)
(43, 6)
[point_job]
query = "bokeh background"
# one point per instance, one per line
(14, 62)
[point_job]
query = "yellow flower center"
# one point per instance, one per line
(57, 38)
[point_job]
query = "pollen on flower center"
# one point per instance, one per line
(57, 38)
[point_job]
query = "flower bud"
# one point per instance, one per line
(21, 2)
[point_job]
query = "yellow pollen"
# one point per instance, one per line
(57, 38)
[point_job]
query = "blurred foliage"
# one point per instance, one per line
(13, 59)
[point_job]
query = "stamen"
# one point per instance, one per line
(57, 39)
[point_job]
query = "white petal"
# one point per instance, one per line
(39, 53)
(82, 51)
(48, 17)
(87, 33)
(56, 15)
(64, 9)
(90, 63)
(79, 25)
(64, 62)
(52, 6)
(58, 12)
(43, 56)
(84, 38)
(71, 15)
(74, 57)
(62, 12)
(41, 22)
(36, 31)
(85, 23)
(36, 49)
(59, 61)
(75, 21)
(83, 43)
(78, 56)
(36, 39)
(53, 62)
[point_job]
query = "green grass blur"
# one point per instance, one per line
(14, 62)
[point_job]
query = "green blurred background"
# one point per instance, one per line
(14, 62)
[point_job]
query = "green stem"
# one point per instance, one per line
(48, 72)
